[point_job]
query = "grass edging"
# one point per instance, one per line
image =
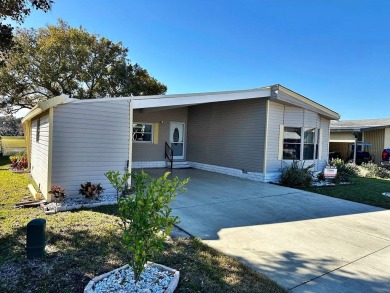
(362, 190)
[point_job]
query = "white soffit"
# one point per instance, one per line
(194, 99)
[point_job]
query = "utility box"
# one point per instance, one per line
(36, 238)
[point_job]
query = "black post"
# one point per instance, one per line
(36, 238)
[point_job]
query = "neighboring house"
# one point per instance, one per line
(372, 135)
(248, 133)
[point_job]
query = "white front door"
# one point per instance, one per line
(176, 139)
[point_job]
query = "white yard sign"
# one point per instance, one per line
(330, 173)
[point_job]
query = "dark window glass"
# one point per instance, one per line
(292, 143)
(142, 132)
(38, 129)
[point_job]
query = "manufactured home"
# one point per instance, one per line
(247, 133)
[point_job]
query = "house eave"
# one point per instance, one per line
(349, 129)
(302, 101)
(183, 100)
(358, 129)
(45, 105)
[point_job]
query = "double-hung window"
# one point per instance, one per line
(310, 144)
(300, 143)
(38, 131)
(292, 143)
(142, 132)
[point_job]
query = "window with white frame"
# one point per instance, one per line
(292, 143)
(300, 143)
(309, 143)
(142, 132)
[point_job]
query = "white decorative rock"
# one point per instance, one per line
(155, 278)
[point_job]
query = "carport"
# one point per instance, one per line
(304, 241)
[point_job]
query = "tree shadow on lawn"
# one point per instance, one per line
(73, 257)
(4, 162)
(77, 253)
(203, 269)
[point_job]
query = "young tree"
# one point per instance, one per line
(59, 59)
(17, 10)
(146, 217)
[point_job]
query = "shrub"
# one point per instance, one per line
(58, 193)
(296, 174)
(345, 172)
(146, 217)
(321, 176)
(90, 190)
(117, 181)
(19, 162)
(372, 170)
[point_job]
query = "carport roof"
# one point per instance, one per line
(359, 125)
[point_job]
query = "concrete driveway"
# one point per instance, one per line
(304, 241)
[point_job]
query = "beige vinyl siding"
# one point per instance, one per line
(285, 98)
(40, 153)
(387, 139)
(290, 116)
(311, 119)
(325, 132)
(89, 139)
(147, 151)
(293, 116)
(377, 140)
(275, 119)
(228, 134)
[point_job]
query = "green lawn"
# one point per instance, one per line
(13, 141)
(83, 244)
(363, 190)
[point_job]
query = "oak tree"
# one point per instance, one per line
(59, 59)
(17, 10)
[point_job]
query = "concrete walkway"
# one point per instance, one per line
(304, 241)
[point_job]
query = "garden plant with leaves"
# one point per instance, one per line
(297, 174)
(90, 190)
(146, 216)
(58, 193)
(118, 181)
(19, 162)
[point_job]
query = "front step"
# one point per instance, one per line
(178, 165)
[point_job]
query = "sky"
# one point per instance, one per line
(335, 52)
